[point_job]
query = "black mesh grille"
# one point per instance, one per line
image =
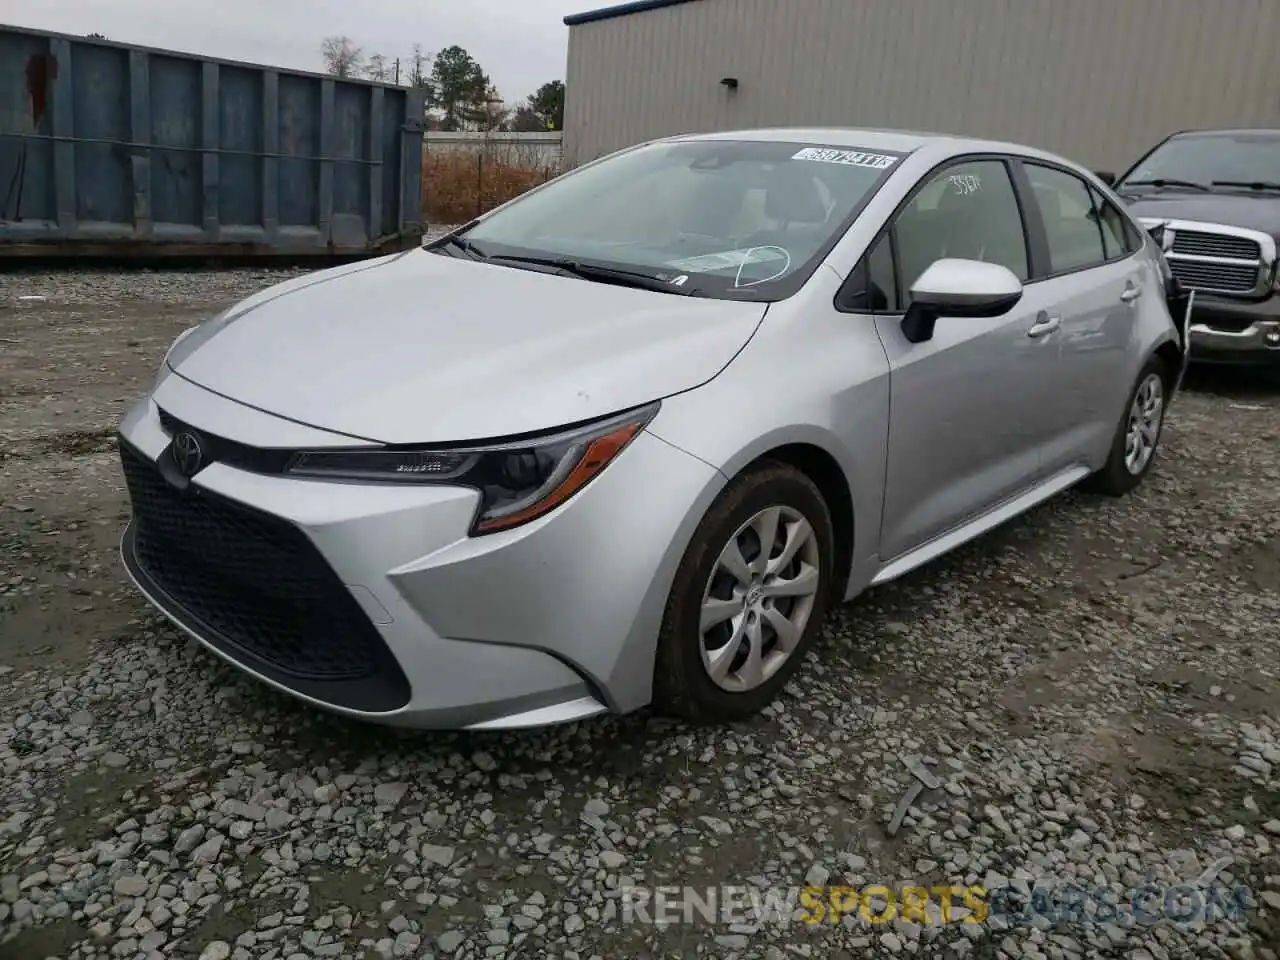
(254, 586)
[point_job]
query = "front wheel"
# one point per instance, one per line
(748, 597)
(1133, 450)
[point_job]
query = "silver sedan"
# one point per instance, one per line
(624, 440)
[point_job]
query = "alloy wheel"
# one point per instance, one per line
(759, 598)
(1146, 416)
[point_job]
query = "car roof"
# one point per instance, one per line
(1226, 132)
(870, 138)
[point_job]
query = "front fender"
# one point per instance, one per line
(810, 376)
(862, 467)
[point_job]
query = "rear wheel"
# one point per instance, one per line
(1133, 450)
(748, 597)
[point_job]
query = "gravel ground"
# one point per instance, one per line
(1095, 687)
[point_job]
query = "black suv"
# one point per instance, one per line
(1211, 198)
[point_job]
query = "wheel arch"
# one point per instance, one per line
(824, 469)
(676, 687)
(1170, 352)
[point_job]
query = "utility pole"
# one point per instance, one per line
(397, 71)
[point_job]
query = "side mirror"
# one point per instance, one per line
(959, 288)
(1106, 176)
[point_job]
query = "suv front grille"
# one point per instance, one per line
(1197, 243)
(255, 587)
(1214, 259)
(1215, 277)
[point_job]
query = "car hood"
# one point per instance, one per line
(423, 348)
(1236, 210)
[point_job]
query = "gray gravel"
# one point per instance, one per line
(1096, 689)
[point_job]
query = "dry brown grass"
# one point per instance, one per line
(457, 186)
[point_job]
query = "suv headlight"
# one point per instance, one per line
(1168, 281)
(517, 481)
(1167, 278)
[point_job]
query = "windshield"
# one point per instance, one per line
(1240, 158)
(717, 218)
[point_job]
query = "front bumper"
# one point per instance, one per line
(1235, 332)
(371, 600)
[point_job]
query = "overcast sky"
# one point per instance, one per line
(519, 43)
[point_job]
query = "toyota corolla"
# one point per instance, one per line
(624, 440)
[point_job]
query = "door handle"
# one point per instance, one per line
(1131, 294)
(1043, 327)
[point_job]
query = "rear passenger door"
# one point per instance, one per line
(1083, 258)
(970, 406)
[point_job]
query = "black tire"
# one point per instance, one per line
(682, 686)
(1115, 479)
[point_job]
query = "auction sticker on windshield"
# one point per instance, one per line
(849, 158)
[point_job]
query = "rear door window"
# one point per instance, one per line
(1072, 228)
(1119, 237)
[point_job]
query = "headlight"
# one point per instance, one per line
(517, 482)
(1167, 278)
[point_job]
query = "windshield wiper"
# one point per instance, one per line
(591, 271)
(1167, 182)
(1248, 184)
(457, 243)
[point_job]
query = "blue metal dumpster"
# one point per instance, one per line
(113, 150)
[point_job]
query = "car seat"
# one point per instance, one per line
(792, 199)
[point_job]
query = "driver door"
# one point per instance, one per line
(971, 405)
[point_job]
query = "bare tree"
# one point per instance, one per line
(342, 57)
(420, 68)
(377, 69)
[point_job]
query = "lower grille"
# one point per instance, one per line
(1229, 324)
(1215, 277)
(256, 588)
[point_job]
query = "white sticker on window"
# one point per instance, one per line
(965, 183)
(849, 158)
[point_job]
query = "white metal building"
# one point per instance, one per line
(1096, 80)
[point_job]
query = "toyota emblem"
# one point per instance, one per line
(188, 456)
